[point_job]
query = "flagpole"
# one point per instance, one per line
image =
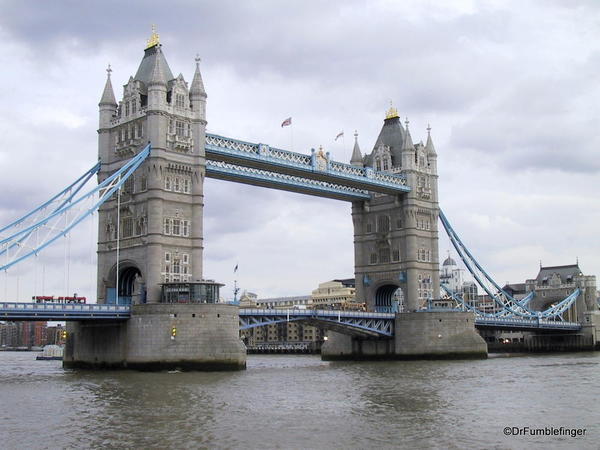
(292, 133)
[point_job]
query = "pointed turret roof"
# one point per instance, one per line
(158, 74)
(108, 96)
(408, 143)
(429, 148)
(391, 135)
(153, 61)
(357, 158)
(197, 86)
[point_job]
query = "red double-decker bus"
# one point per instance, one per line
(51, 299)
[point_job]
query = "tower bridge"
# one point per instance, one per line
(150, 240)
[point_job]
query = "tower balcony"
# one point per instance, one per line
(128, 147)
(180, 143)
(118, 120)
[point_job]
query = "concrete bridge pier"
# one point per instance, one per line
(418, 335)
(160, 337)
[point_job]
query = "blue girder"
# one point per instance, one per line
(509, 305)
(258, 177)
(353, 322)
(56, 222)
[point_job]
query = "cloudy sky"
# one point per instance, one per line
(509, 87)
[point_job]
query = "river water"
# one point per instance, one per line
(298, 401)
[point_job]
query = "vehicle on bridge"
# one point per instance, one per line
(51, 299)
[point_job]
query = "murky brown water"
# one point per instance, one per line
(298, 401)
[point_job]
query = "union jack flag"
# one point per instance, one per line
(286, 122)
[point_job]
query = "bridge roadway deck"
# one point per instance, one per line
(370, 323)
(63, 311)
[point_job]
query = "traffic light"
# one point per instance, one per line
(173, 332)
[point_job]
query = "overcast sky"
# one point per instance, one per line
(509, 87)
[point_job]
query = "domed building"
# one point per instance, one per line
(451, 275)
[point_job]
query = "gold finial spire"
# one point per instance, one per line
(153, 38)
(392, 112)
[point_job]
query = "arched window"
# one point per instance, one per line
(384, 255)
(383, 224)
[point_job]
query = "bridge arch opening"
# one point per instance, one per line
(131, 287)
(389, 298)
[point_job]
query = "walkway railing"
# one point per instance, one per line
(316, 166)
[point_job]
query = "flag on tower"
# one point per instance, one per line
(340, 134)
(235, 268)
(286, 122)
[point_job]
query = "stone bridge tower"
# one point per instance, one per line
(396, 237)
(159, 219)
(154, 230)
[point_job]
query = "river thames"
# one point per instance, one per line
(299, 401)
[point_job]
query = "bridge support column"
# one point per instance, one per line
(590, 328)
(418, 335)
(438, 335)
(342, 347)
(160, 337)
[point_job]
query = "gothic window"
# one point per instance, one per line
(126, 109)
(185, 225)
(128, 185)
(395, 255)
(185, 258)
(167, 226)
(373, 259)
(179, 128)
(143, 183)
(176, 227)
(171, 126)
(176, 184)
(180, 100)
(176, 266)
(140, 129)
(168, 183)
(126, 227)
(385, 164)
(384, 255)
(167, 257)
(369, 226)
(126, 133)
(186, 185)
(378, 164)
(383, 224)
(133, 106)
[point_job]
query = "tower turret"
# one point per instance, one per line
(198, 94)
(430, 151)
(108, 110)
(408, 149)
(108, 104)
(357, 159)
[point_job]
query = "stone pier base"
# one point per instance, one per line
(160, 337)
(419, 335)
